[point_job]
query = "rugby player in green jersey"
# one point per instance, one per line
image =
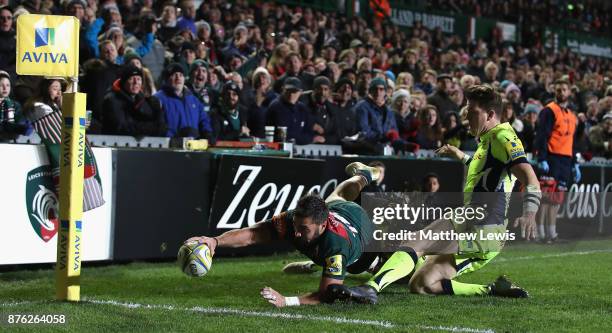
(498, 161)
(332, 233)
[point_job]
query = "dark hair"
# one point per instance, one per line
(431, 175)
(42, 95)
(377, 164)
(312, 206)
(486, 97)
(427, 178)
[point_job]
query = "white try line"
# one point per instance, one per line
(555, 255)
(266, 314)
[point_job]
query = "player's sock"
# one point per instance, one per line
(399, 265)
(552, 231)
(368, 173)
(452, 287)
(541, 232)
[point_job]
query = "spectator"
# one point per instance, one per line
(405, 80)
(321, 109)
(187, 19)
(184, 113)
(431, 183)
(467, 81)
(264, 95)
(293, 68)
(197, 84)
(127, 111)
(530, 121)
(427, 82)
(441, 98)
(148, 82)
(168, 24)
(404, 117)
(513, 95)
(153, 60)
(8, 42)
(287, 111)
(98, 76)
(453, 129)
(12, 121)
(429, 135)
(376, 120)
(509, 116)
(111, 27)
(491, 73)
(45, 113)
(345, 117)
(600, 137)
(228, 119)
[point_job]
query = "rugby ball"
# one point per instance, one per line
(194, 259)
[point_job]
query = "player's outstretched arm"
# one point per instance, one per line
(454, 152)
(275, 298)
(257, 234)
(531, 199)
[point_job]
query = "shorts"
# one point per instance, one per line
(560, 170)
(476, 252)
(465, 265)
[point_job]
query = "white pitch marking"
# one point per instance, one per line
(341, 320)
(208, 310)
(556, 255)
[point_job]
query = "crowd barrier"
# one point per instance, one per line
(156, 198)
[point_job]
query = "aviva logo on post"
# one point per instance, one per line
(44, 36)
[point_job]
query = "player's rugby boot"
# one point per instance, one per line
(359, 169)
(300, 267)
(505, 288)
(359, 294)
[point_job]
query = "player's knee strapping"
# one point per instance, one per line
(399, 265)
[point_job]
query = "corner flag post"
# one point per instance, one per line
(72, 161)
(39, 52)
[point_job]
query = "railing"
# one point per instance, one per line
(308, 151)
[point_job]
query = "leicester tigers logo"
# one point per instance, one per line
(42, 203)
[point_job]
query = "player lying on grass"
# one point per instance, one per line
(331, 232)
(498, 161)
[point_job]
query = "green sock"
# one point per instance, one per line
(399, 265)
(452, 287)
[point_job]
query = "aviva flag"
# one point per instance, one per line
(48, 45)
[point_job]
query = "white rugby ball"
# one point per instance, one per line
(194, 259)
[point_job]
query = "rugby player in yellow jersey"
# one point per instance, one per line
(498, 161)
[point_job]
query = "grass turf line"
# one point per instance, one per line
(566, 283)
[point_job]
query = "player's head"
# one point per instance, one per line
(562, 91)
(484, 108)
(310, 218)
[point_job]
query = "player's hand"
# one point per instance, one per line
(273, 296)
(209, 241)
(528, 226)
(451, 151)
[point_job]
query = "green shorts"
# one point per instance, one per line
(486, 243)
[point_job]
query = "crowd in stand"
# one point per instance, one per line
(226, 70)
(591, 16)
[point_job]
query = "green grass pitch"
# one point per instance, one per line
(570, 285)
